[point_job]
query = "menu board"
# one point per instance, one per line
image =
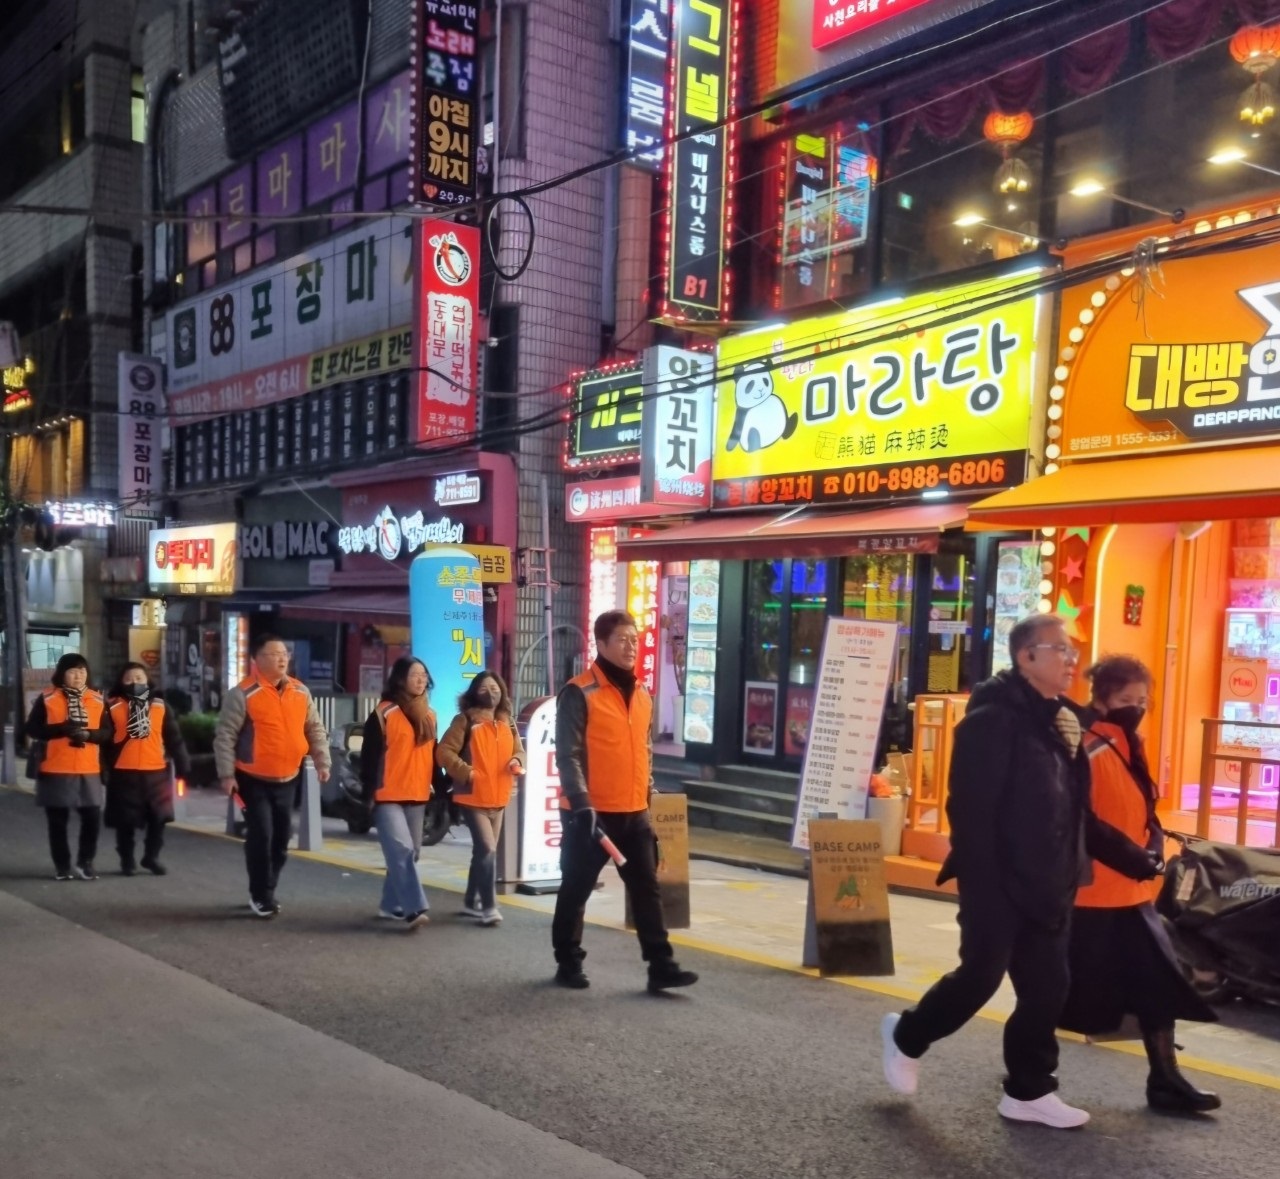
(700, 652)
(1018, 577)
(853, 678)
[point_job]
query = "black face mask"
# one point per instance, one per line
(1128, 718)
(138, 691)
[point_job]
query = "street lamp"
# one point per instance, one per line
(1090, 187)
(969, 220)
(1237, 155)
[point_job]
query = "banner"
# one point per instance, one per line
(676, 435)
(446, 622)
(806, 413)
(648, 40)
(447, 302)
(445, 102)
(141, 386)
(540, 824)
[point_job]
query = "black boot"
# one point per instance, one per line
(665, 973)
(1167, 1089)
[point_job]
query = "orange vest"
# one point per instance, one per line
(60, 756)
(1116, 798)
(139, 753)
(618, 754)
(406, 766)
(273, 740)
(491, 746)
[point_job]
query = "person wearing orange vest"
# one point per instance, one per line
(71, 721)
(145, 738)
(267, 725)
(1122, 962)
(397, 762)
(604, 753)
(483, 754)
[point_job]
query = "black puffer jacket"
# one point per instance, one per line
(1017, 802)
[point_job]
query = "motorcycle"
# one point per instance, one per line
(1221, 906)
(442, 812)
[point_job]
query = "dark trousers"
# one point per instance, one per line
(58, 819)
(995, 939)
(152, 841)
(268, 827)
(582, 858)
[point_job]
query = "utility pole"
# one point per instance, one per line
(15, 644)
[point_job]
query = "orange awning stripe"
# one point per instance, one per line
(809, 533)
(1153, 489)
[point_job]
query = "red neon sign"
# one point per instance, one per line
(833, 20)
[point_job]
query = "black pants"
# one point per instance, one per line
(582, 858)
(995, 939)
(268, 826)
(152, 841)
(58, 819)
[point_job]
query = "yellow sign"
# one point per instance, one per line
(495, 561)
(937, 399)
(200, 559)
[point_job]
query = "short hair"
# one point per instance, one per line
(262, 640)
(1026, 633)
(608, 622)
(69, 662)
(1114, 673)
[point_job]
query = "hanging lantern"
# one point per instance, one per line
(1257, 49)
(1006, 132)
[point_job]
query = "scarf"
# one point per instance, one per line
(418, 712)
(624, 681)
(75, 707)
(139, 724)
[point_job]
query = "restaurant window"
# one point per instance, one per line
(952, 590)
(878, 587)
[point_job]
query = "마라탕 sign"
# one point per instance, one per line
(809, 413)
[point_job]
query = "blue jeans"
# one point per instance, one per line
(400, 833)
(485, 825)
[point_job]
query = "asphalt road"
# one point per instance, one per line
(754, 1073)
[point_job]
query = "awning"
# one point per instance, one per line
(1154, 489)
(809, 533)
(391, 606)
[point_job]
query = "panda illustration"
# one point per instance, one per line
(761, 418)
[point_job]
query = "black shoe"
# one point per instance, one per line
(572, 977)
(1177, 1095)
(62, 874)
(127, 867)
(263, 908)
(84, 871)
(154, 866)
(666, 975)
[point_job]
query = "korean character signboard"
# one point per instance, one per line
(339, 311)
(833, 20)
(605, 418)
(642, 604)
(648, 42)
(448, 298)
(675, 462)
(698, 208)
(141, 385)
(445, 109)
(201, 559)
(883, 404)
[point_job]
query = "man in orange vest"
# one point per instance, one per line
(268, 724)
(604, 752)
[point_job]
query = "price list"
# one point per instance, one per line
(700, 652)
(857, 660)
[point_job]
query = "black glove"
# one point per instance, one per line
(1157, 864)
(79, 737)
(584, 820)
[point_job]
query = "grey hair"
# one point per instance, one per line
(1026, 633)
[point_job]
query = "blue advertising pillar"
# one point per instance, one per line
(446, 618)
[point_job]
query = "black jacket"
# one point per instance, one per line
(1016, 802)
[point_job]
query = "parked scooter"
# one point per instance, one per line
(341, 797)
(1221, 906)
(442, 812)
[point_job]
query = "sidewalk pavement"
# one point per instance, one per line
(758, 917)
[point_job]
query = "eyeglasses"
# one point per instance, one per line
(1066, 650)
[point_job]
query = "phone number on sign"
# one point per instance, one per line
(884, 481)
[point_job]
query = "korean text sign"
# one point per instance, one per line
(200, 559)
(448, 297)
(648, 41)
(141, 385)
(445, 101)
(807, 413)
(675, 454)
(1200, 365)
(606, 414)
(540, 823)
(642, 604)
(697, 214)
(834, 20)
(446, 620)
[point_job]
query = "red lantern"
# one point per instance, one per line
(1006, 130)
(1256, 48)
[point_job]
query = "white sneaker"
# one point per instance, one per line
(490, 917)
(470, 910)
(1049, 1110)
(900, 1070)
(390, 914)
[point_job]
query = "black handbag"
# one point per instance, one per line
(35, 755)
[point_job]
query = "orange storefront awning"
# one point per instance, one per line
(1153, 489)
(809, 533)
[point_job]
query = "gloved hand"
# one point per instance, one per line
(79, 737)
(1157, 864)
(584, 820)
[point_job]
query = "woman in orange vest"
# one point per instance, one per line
(1122, 963)
(397, 761)
(483, 754)
(145, 738)
(71, 722)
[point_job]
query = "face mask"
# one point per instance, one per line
(1128, 718)
(139, 690)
